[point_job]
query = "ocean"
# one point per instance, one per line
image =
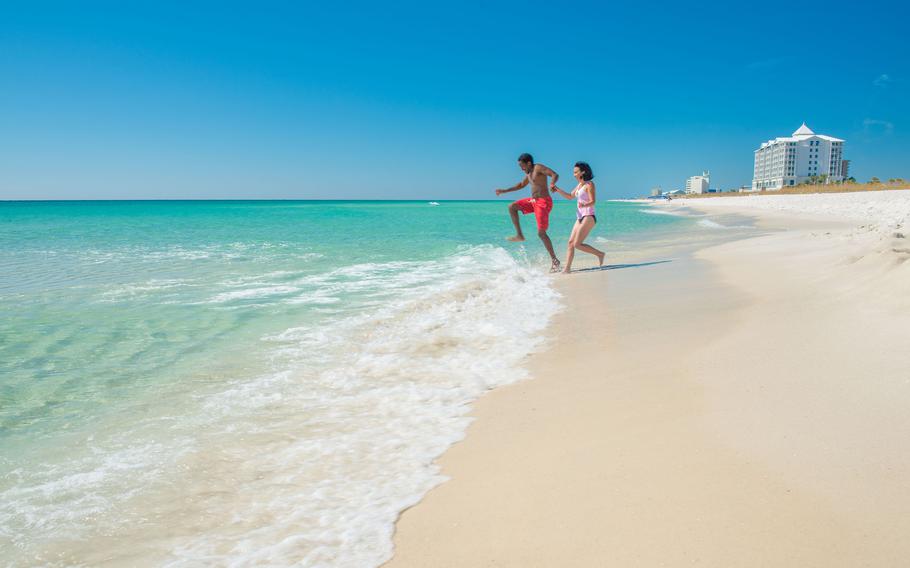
(255, 382)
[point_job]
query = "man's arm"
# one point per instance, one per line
(548, 172)
(515, 187)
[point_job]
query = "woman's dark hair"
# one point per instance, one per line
(526, 158)
(586, 173)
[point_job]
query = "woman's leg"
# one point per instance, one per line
(570, 250)
(584, 229)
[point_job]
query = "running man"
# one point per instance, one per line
(540, 203)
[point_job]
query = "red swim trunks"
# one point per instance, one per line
(540, 207)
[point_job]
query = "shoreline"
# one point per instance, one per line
(725, 409)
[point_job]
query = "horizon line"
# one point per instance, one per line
(224, 199)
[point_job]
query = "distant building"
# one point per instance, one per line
(791, 160)
(655, 191)
(698, 184)
(845, 168)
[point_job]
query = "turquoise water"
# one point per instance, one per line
(292, 366)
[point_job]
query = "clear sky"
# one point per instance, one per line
(434, 100)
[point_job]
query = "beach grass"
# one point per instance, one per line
(807, 189)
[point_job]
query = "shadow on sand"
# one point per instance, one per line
(618, 266)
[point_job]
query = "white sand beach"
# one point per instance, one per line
(743, 405)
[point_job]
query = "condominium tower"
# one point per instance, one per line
(698, 184)
(791, 160)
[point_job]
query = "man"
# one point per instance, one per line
(540, 203)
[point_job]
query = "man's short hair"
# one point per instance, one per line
(526, 158)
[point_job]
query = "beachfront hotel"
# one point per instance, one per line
(791, 160)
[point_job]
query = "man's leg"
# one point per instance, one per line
(542, 213)
(513, 212)
(548, 244)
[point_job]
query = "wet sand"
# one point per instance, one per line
(742, 405)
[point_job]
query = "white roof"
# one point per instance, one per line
(802, 133)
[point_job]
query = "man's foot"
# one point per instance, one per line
(555, 266)
(567, 270)
(515, 239)
(600, 258)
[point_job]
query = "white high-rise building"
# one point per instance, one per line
(791, 160)
(698, 184)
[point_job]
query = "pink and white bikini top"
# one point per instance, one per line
(582, 195)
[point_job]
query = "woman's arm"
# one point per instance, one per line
(563, 193)
(592, 194)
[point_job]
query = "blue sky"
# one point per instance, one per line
(433, 100)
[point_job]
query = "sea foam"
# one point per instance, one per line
(310, 461)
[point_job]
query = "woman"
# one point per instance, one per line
(584, 192)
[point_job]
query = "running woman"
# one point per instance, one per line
(585, 220)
